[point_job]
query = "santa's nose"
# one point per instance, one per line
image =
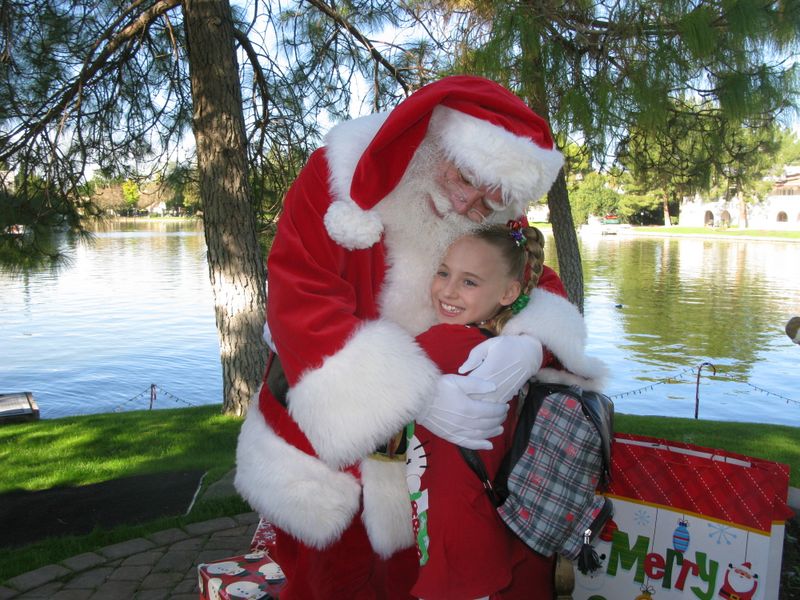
(471, 202)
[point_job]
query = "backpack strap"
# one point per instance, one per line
(473, 459)
(498, 490)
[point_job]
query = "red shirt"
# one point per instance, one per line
(468, 551)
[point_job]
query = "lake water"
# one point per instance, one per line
(135, 309)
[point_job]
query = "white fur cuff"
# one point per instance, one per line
(560, 327)
(297, 492)
(363, 394)
(387, 506)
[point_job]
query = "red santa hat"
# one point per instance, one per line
(481, 126)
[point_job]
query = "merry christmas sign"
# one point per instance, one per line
(689, 522)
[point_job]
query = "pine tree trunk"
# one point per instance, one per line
(667, 219)
(743, 224)
(569, 257)
(235, 264)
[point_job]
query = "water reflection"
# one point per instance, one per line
(657, 306)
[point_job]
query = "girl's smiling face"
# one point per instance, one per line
(472, 283)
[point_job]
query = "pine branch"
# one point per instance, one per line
(252, 56)
(72, 94)
(352, 30)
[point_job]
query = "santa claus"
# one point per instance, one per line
(362, 232)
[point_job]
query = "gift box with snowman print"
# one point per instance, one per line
(253, 576)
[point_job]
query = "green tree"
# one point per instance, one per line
(597, 69)
(789, 153)
(674, 158)
(99, 83)
(130, 193)
(593, 196)
(577, 163)
(184, 189)
(120, 85)
(745, 156)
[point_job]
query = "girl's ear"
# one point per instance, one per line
(511, 293)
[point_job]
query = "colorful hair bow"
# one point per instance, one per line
(520, 222)
(517, 226)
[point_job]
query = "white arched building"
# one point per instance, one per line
(779, 210)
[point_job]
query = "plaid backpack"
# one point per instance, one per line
(545, 488)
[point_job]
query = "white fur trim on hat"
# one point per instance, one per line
(352, 227)
(347, 223)
(387, 506)
(297, 492)
(496, 157)
(560, 327)
(364, 394)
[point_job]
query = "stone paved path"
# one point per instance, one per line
(162, 565)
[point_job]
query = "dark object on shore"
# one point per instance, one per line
(793, 329)
(18, 407)
(790, 569)
(27, 517)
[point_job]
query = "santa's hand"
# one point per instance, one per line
(456, 417)
(508, 361)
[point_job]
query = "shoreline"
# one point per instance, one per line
(634, 231)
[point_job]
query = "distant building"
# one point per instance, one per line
(538, 213)
(779, 210)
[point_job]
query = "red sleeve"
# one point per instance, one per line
(550, 281)
(312, 308)
(449, 345)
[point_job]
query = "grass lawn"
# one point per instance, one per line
(701, 231)
(90, 449)
(75, 451)
(729, 232)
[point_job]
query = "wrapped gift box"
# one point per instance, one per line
(253, 576)
(263, 538)
(689, 522)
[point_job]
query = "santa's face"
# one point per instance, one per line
(472, 283)
(458, 191)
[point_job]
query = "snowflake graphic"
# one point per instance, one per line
(722, 533)
(641, 517)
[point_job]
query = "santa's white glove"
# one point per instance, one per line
(508, 361)
(456, 417)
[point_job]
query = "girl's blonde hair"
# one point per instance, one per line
(524, 258)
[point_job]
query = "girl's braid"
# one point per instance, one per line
(535, 251)
(526, 263)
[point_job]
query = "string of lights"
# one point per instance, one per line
(677, 378)
(150, 392)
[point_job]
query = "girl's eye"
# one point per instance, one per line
(441, 273)
(470, 283)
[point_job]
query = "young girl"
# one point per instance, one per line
(465, 549)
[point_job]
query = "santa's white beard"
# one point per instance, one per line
(416, 239)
